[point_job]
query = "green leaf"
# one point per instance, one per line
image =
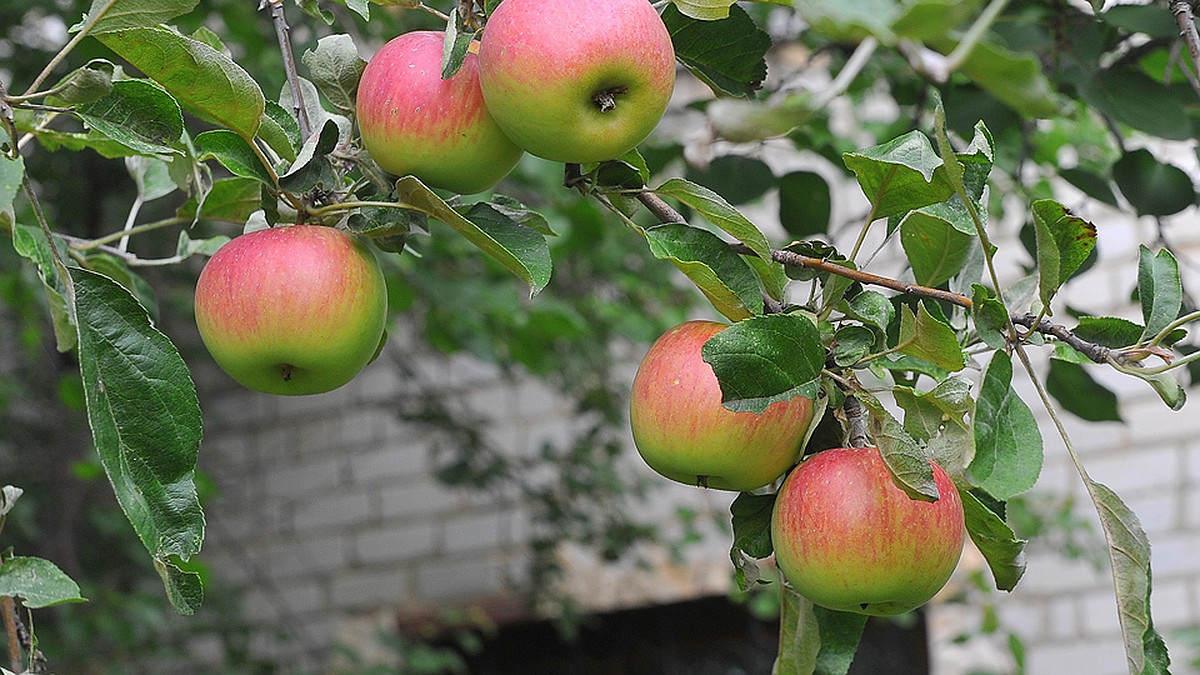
(187, 247)
(1129, 553)
(519, 249)
(728, 55)
(722, 276)
(740, 179)
(1008, 446)
(925, 337)
(312, 166)
(137, 114)
(108, 16)
(935, 248)
(280, 131)
(991, 319)
(1130, 97)
(850, 21)
(152, 177)
(805, 204)
(12, 174)
(518, 212)
(454, 47)
(1064, 241)
(91, 82)
(1151, 187)
(938, 417)
(234, 153)
(1110, 331)
(1003, 551)
(766, 359)
(336, 67)
(851, 344)
(203, 79)
(901, 175)
(1159, 289)
(184, 589)
(840, 634)
(719, 212)
(9, 495)
(908, 464)
(751, 534)
(144, 415)
(1091, 184)
(230, 200)
(872, 308)
(1072, 386)
(1152, 20)
(1014, 78)
(31, 244)
(815, 640)
(704, 10)
(39, 582)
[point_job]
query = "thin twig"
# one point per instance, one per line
(856, 415)
(663, 212)
(1095, 352)
(289, 63)
(1182, 10)
(9, 609)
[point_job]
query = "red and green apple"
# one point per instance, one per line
(848, 538)
(292, 310)
(684, 433)
(414, 122)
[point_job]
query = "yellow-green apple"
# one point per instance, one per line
(848, 538)
(414, 122)
(292, 310)
(684, 433)
(576, 80)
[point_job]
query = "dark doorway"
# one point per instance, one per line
(709, 636)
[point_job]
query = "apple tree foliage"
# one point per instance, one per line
(992, 105)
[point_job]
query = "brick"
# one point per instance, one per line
(1175, 554)
(395, 543)
(376, 383)
(477, 531)
(1097, 657)
(1152, 469)
(1172, 606)
(1191, 509)
(1100, 616)
(268, 605)
(359, 427)
(1062, 618)
(459, 579)
(1158, 512)
(418, 498)
(371, 588)
(1153, 422)
(1024, 616)
(332, 509)
(1050, 574)
(306, 479)
(305, 556)
(394, 461)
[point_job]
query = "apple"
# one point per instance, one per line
(414, 122)
(576, 80)
(292, 310)
(684, 433)
(848, 538)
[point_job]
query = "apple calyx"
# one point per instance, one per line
(606, 100)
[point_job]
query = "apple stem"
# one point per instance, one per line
(606, 100)
(286, 371)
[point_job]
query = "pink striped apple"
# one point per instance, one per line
(848, 538)
(576, 80)
(292, 310)
(414, 122)
(684, 433)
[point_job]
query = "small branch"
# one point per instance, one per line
(89, 244)
(1095, 352)
(289, 63)
(1182, 10)
(856, 416)
(9, 608)
(664, 213)
(820, 264)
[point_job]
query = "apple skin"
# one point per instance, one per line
(682, 431)
(292, 310)
(414, 122)
(848, 538)
(543, 63)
